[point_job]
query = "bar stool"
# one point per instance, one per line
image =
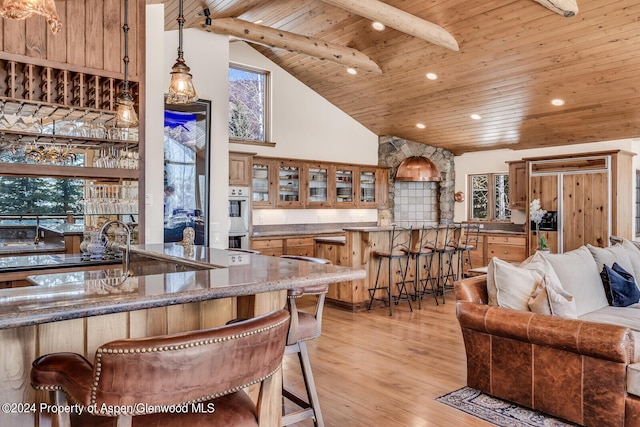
(399, 251)
(304, 326)
(425, 250)
(191, 369)
(447, 265)
(469, 236)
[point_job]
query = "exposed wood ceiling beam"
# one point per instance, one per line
(291, 42)
(566, 8)
(399, 20)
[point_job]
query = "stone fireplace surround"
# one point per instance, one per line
(417, 203)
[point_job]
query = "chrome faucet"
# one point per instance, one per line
(37, 238)
(127, 255)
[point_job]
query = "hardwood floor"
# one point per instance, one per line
(375, 370)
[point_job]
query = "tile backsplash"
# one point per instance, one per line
(416, 203)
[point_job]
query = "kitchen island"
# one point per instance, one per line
(79, 311)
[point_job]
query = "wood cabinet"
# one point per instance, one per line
(289, 183)
(591, 193)
(507, 247)
(240, 168)
(303, 245)
(518, 183)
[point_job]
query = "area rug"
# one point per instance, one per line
(498, 412)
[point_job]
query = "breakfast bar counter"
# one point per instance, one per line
(173, 289)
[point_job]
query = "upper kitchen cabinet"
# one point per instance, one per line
(290, 182)
(287, 183)
(263, 180)
(344, 186)
(240, 171)
(518, 181)
(317, 188)
(373, 187)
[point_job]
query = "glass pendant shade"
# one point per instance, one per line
(181, 89)
(23, 9)
(125, 112)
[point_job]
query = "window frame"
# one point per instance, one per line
(267, 106)
(491, 199)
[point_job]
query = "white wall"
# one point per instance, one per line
(494, 161)
(305, 125)
(207, 56)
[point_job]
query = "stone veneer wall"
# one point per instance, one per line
(391, 152)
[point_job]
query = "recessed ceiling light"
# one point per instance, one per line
(378, 26)
(476, 116)
(557, 102)
(352, 71)
(259, 21)
(421, 125)
(431, 76)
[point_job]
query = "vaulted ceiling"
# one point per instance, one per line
(514, 57)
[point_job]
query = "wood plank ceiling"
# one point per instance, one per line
(515, 57)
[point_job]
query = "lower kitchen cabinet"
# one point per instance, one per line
(302, 245)
(507, 247)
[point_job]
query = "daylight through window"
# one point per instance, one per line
(248, 109)
(489, 197)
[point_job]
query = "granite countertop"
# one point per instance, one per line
(91, 293)
(21, 247)
(304, 229)
(38, 262)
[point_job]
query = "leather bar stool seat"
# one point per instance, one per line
(204, 371)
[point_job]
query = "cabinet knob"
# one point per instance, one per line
(506, 252)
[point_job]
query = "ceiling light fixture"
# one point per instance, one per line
(431, 76)
(125, 111)
(557, 102)
(258, 22)
(352, 71)
(476, 116)
(378, 26)
(23, 9)
(421, 125)
(181, 90)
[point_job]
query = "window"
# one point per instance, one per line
(637, 203)
(489, 197)
(248, 104)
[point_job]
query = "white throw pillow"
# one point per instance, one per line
(615, 253)
(549, 298)
(579, 276)
(513, 285)
(634, 256)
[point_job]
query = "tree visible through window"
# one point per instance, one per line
(248, 94)
(489, 197)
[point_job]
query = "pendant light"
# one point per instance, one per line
(181, 90)
(125, 112)
(23, 9)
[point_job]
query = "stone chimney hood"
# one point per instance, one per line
(417, 169)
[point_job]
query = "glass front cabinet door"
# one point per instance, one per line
(289, 184)
(345, 194)
(261, 183)
(317, 185)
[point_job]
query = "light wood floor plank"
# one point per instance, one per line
(375, 370)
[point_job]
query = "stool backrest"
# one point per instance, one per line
(451, 236)
(188, 367)
(428, 238)
(471, 231)
(400, 239)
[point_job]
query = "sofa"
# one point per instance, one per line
(577, 361)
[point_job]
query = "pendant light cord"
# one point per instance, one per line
(180, 20)
(125, 29)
